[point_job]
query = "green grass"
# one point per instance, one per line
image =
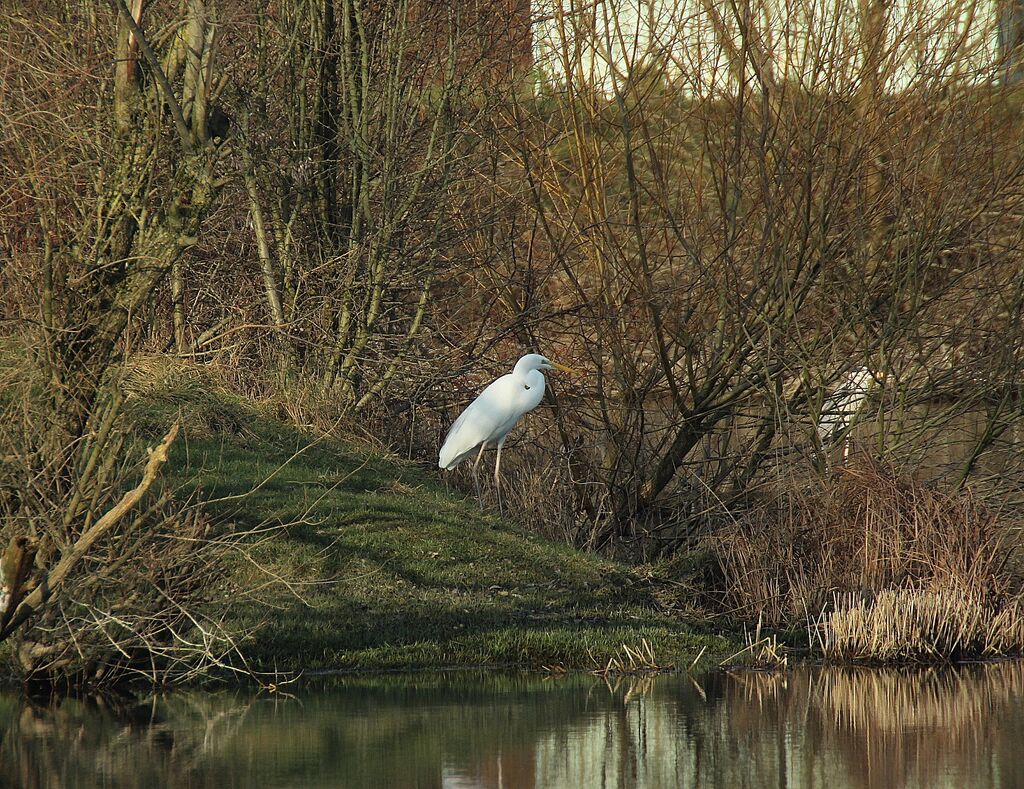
(371, 564)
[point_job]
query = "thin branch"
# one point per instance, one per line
(44, 591)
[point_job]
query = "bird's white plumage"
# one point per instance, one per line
(492, 415)
(840, 407)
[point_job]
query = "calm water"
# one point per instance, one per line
(831, 728)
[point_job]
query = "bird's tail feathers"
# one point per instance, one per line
(454, 450)
(448, 458)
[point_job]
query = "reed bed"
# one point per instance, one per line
(918, 625)
(882, 567)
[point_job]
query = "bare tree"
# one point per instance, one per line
(355, 200)
(743, 225)
(111, 152)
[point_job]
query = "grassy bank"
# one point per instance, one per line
(365, 562)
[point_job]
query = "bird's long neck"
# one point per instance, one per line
(523, 368)
(861, 378)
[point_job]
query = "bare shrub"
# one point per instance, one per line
(113, 141)
(111, 575)
(720, 230)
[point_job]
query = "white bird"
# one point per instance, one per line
(487, 421)
(841, 407)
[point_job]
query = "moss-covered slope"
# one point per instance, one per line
(361, 561)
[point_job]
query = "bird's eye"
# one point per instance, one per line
(527, 386)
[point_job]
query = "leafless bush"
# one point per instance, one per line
(111, 144)
(722, 231)
(354, 185)
(110, 156)
(104, 574)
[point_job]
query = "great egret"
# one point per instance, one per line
(841, 406)
(487, 421)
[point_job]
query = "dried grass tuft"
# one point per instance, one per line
(762, 651)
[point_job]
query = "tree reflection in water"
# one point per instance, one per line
(817, 727)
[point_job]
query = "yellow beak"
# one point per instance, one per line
(565, 369)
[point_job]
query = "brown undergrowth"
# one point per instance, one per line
(880, 567)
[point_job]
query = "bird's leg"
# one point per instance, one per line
(497, 477)
(476, 465)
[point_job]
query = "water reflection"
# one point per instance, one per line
(833, 728)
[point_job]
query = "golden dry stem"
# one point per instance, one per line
(638, 659)
(918, 625)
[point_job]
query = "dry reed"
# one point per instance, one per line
(918, 625)
(883, 567)
(638, 659)
(761, 651)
